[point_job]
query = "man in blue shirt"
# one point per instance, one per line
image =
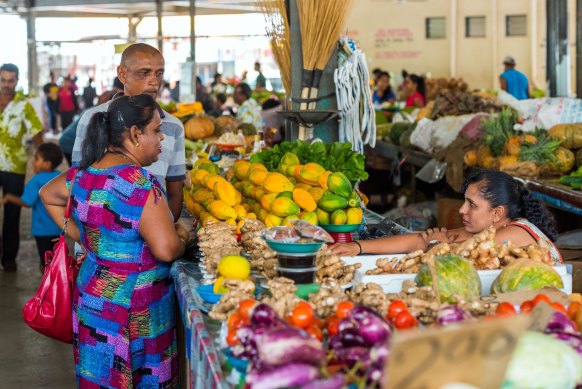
(513, 81)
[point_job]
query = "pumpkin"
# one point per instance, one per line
(525, 274)
(199, 127)
(456, 278)
(569, 134)
(225, 124)
(564, 161)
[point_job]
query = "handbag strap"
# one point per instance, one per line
(68, 208)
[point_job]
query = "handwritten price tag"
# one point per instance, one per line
(476, 354)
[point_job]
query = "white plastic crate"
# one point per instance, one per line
(392, 283)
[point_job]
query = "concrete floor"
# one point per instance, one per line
(28, 359)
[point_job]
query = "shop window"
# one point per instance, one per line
(516, 25)
(436, 28)
(475, 26)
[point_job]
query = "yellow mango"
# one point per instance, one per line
(247, 187)
(322, 216)
(245, 206)
(338, 217)
(202, 194)
(241, 212)
(304, 199)
(237, 197)
(221, 210)
(239, 226)
(284, 207)
(304, 186)
(310, 217)
(267, 199)
(200, 161)
(258, 194)
(286, 221)
(316, 193)
(224, 191)
(209, 219)
(232, 222)
(196, 209)
(251, 215)
(272, 220)
(262, 214)
(241, 169)
(197, 176)
(277, 183)
(211, 179)
(310, 173)
(257, 176)
(297, 171)
(354, 216)
(323, 179)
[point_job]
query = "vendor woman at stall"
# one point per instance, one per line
(491, 199)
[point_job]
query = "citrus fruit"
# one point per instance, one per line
(234, 266)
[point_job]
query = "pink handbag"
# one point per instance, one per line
(50, 311)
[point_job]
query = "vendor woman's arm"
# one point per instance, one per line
(387, 245)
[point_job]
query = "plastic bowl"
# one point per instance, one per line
(295, 248)
(207, 294)
(296, 261)
(299, 276)
(340, 227)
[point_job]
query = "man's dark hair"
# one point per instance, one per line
(10, 67)
(117, 83)
(52, 153)
(221, 97)
(245, 89)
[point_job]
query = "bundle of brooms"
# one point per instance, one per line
(321, 23)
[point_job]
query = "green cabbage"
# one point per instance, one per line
(540, 361)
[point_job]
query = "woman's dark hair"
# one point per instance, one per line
(501, 189)
(50, 152)
(110, 128)
(389, 88)
(245, 89)
(420, 85)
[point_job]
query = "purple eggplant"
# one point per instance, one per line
(574, 340)
(351, 355)
(289, 375)
(561, 323)
(338, 381)
(264, 316)
(452, 314)
(379, 353)
(281, 346)
(367, 325)
(352, 337)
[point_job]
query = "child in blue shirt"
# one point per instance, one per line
(47, 157)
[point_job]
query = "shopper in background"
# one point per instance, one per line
(123, 302)
(109, 94)
(513, 81)
(51, 91)
(204, 98)
(249, 111)
(47, 158)
(492, 198)
(218, 86)
(89, 95)
(383, 92)
(141, 71)
(223, 107)
(18, 123)
(416, 91)
(68, 104)
(375, 74)
(261, 81)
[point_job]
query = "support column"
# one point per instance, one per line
(159, 13)
(557, 55)
(31, 43)
(296, 62)
(579, 48)
(133, 22)
(453, 38)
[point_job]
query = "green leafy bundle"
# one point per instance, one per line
(542, 152)
(498, 129)
(337, 157)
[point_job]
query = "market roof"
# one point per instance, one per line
(124, 8)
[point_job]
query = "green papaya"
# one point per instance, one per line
(289, 195)
(354, 200)
(339, 184)
(330, 202)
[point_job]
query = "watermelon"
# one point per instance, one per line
(397, 129)
(525, 274)
(457, 278)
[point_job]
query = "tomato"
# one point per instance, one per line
(505, 310)
(541, 297)
(231, 338)
(559, 307)
(302, 317)
(318, 322)
(395, 308)
(305, 304)
(405, 320)
(332, 324)
(235, 321)
(315, 331)
(526, 306)
(573, 309)
(343, 309)
(245, 308)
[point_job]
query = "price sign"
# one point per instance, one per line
(540, 316)
(476, 354)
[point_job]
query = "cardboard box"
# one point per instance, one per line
(448, 213)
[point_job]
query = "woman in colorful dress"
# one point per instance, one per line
(123, 307)
(491, 199)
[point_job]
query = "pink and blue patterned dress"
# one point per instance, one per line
(123, 307)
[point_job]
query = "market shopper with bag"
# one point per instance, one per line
(123, 303)
(492, 198)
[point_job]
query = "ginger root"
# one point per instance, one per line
(237, 291)
(332, 267)
(283, 298)
(325, 301)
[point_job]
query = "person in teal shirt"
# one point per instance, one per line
(46, 159)
(513, 81)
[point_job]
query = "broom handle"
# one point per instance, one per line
(305, 93)
(315, 83)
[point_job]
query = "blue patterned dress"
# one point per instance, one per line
(123, 304)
